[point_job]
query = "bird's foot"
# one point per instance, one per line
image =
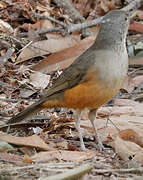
(100, 146)
(82, 147)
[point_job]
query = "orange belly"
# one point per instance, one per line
(88, 95)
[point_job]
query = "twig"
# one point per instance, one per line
(108, 119)
(131, 170)
(40, 32)
(21, 126)
(16, 100)
(24, 45)
(73, 174)
(38, 166)
(42, 16)
(27, 45)
(80, 26)
(132, 5)
(76, 27)
(69, 29)
(9, 100)
(7, 55)
(71, 165)
(58, 29)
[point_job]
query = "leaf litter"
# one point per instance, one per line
(51, 137)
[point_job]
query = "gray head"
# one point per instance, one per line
(115, 21)
(114, 28)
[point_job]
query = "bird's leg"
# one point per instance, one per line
(92, 118)
(77, 116)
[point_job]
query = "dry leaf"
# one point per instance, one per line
(27, 150)
(44, 47)
(137, 80)
(5, 27)
(136, 26)
(32, 141)
(131, 135)
(26, 93)
(127, 102)
(127, 150)
(127, 107)
(39, 80)
(136, 61)
(64, 58)
(74, 156)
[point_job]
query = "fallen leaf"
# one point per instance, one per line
(32, 141)
(44, 47)
(137, 80)
(64, 58)
(26, 93)
(131, 135)
(128, 150)
(123, 107)
(136, 26)
(136, 61)
(27, 150)
(74, 156)
(39, 80)
(5, 27)
(126, 102)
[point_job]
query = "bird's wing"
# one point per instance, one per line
(74, 74)
(70, 77)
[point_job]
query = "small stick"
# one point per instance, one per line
(7, 55)
(73, 174)
(40, 32)
(131, 5)
(131, 170)
(80, 26)
(42, 16)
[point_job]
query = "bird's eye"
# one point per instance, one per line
(126, 18)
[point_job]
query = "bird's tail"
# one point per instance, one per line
(27, 112)
(54, 100)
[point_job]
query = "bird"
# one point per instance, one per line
(92, 79)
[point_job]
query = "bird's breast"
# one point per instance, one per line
(101, 83)
(90, 94)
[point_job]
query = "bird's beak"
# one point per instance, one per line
(132, 14)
